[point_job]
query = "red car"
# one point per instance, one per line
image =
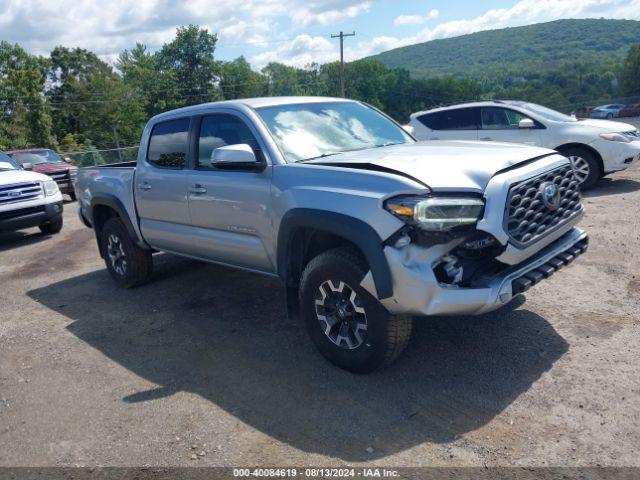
(43, 160)
(632, 110)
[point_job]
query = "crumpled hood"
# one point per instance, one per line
(440, 164)
(606, 126)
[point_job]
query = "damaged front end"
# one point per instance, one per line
(456, 254)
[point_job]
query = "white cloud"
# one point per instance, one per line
(300, 52)
(403, 20)
(108, 27)
(322, 13)
(408, 20)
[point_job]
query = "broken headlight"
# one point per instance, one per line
(436, 214)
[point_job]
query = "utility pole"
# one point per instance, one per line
(115, 136)
(341, 37)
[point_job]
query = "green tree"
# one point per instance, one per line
(630, 73)
(190, 57)
(238, 80)
(157, 90)
(25, 118)
(91, 100)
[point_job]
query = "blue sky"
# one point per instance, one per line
(295, 32)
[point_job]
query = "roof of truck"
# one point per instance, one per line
(253, 103)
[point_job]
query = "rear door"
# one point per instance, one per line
(160, 186)
(453, 124)
(230, 209)
(502, 125)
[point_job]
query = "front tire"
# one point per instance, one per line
(72, 196)
(53, 226)
(585, 166)
(346, 323)
(128, 264)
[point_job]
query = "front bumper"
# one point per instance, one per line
(418, 292)
(617, 156)
(29, 216)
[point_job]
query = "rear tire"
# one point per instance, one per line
(128, 264)
(72, 196)
(585, 165)
(53, 226)
(346, 323)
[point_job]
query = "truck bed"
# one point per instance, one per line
(113, 181)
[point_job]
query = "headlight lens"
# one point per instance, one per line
(436, 214)
(615, 137)
(50, 188)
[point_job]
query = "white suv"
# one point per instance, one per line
(28, 199)
(594, 147)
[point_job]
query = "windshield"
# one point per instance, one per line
(36, 157)
(546, 113)
(311, 130)
(6, 163)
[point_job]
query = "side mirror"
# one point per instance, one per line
(27, 166)
(67, 160)
(526, 123)
(409, 129)
(235, 157)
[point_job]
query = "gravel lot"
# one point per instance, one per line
(201, 366)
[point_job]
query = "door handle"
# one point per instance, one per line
(144, 186)
(486, 139)
(197, 190)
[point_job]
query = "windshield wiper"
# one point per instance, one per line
(319, 156)
(388, 144)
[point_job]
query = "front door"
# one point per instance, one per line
(230, 209)
(502, 125)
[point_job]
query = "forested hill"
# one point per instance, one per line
(544, 45)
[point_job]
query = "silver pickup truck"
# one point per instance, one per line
(365, 226)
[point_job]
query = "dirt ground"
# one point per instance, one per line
(201, 366)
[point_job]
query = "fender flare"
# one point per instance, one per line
(115, 204)
(350, 228)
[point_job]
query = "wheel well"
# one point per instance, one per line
(102, 213)
(582, 146)
(304, 244)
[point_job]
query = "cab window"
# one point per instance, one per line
(169, 144)
(496, 118)
(219, 130)
(459, 119)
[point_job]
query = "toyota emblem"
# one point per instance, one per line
(550, 195)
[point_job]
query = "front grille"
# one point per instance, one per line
(20, 192)
(634, 134)
(60, 177)
(527, 217)
(21, 212)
